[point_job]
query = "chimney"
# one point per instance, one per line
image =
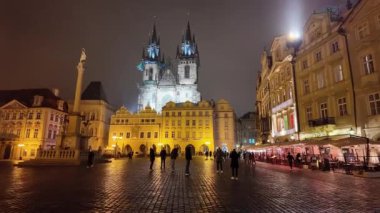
(55, 91)
(349, 5)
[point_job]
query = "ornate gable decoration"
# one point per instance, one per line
(14, 104)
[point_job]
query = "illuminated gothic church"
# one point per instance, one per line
(161, 81)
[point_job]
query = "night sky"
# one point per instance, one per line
(40, 42)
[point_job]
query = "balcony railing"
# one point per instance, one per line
(322, 121)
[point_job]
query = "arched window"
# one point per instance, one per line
(187, 71)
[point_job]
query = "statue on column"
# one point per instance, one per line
(83, 55)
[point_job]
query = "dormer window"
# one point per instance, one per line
(37, 100)
(362, 31)
(60, 104)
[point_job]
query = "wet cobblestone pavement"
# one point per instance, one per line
(129, 186)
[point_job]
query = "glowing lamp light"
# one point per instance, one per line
(294, 35)
(21, 145)
(207, 142)
(113, 146)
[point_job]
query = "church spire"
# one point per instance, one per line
(188, 49)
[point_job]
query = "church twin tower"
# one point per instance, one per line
(161, 84)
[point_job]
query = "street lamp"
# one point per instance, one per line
(20, 146)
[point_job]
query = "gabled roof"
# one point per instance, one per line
(26, 97)
(94, 91)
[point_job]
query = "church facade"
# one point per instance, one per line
(164, 82)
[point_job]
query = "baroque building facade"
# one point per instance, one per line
(161, 83)
(178, 125)
(30, 119)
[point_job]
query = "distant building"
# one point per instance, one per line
(179, 125)
(225, 126)
(96, 113)
(161, 82)
(29, 119)
(247, 131)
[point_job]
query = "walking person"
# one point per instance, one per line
(290, 160)
(152, 156)
(219, 160)
(210, 154)
(234, 164)
(206, 155)
(173, 157)
(91, 156)
(188, 156)
(163, 157)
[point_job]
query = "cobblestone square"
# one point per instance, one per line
(128, 186)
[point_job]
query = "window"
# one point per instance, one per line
(193, 123)
(309, 113)
(141, 134)
(374, 103)
(179, 134)
(92, 117)
(173, 114)
(155, 134)
(323, 110)
(200, 123)
(338, 73)
(148, 135)
(14, 116)
(207, 113)
(335, 47)
(200, 134)
(167, 114)
(193, 135)
(27, 134)
(166, 134)
(187, 113)
(179, 114)
(7, 116)
(320, 80)
(173, 123)
(21, 116)
(187, 71)
(30, 115)
(187, 122)
(306, 87)
(342, 106)
(173, 134)
(167, 123)
(193, 113)
(179, 122)
(305, 65)
(120, 134)
(38, 116)
(32, 152)
(54, 134)
(187, 134)
(50, 133)
(362, 31)
(18, 132)
(200, 113)
(318, 56)
(207, 122)
(51, 117)
(35, 135)
(128, 135)
(368, 64)
(150, 74)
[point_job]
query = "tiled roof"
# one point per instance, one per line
(26, 97)
(94, 91)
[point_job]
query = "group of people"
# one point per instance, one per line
(249, 158)
(219, 156)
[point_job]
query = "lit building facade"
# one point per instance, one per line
(95, 112)
(30, 119)
(161, 83)
(263, 101)
(179, 125)
(225, 126)
(362, 28)
(323, 79)
(283, 102)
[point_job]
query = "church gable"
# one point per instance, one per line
(14, 104)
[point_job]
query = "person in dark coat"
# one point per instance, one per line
(210, 154)
(163, 157)
(206, 155)
(290, 160)
(173, 157)
(152, 156)
(219, 160)
(234, 164)
(91, 156)
(189, 157)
